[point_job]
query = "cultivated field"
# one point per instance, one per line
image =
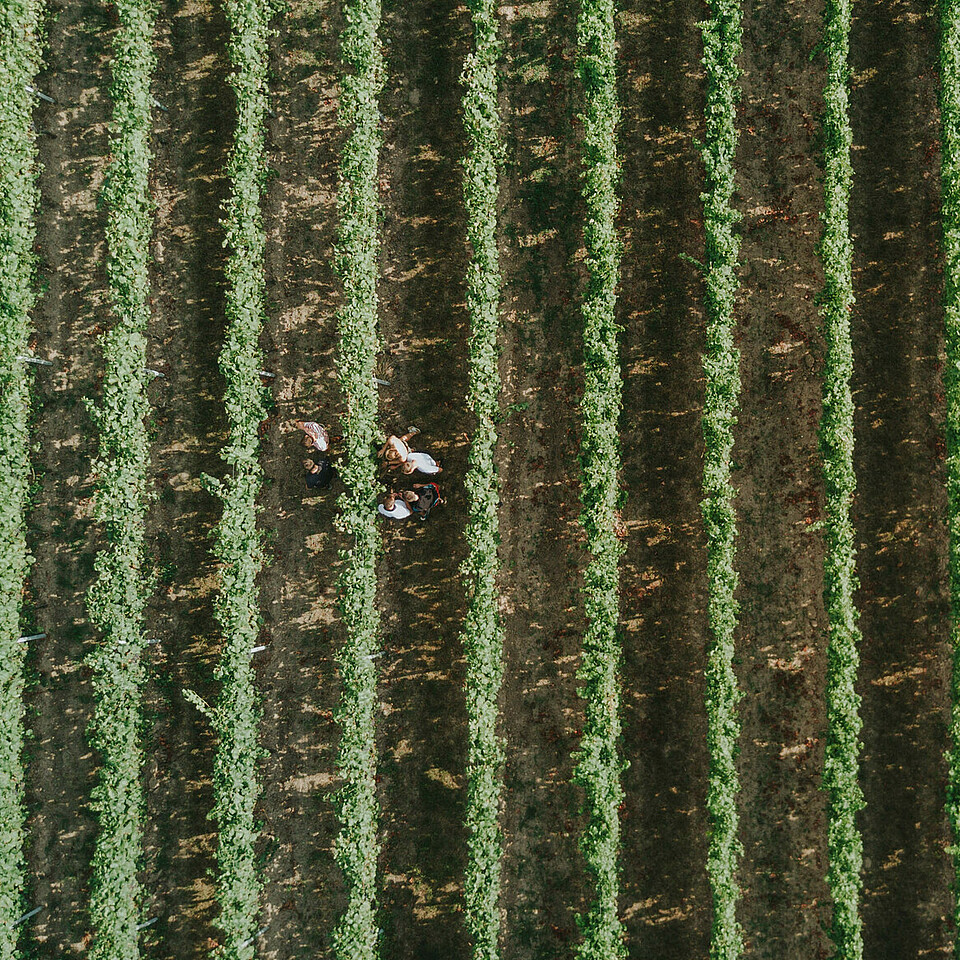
(419, 665)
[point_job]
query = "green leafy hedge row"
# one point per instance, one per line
(239, 549)
(117, 597)
(598, 763)
(357, 847)
(722, 38)
(482, 634)
(20, 41)
(845, 847)
(950, 215)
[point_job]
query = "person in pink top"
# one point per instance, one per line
(315, 435)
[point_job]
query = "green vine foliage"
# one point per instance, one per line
(117, 597)
(722, 39)
(357, 847)
(950, 186)
(239, 549)
(20, 41)
(844, 797)
(598, 763)
(482, 633)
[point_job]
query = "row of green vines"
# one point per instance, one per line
(238, 548)
(117, 597)
(482, 634)
(598, 763)
(722, 39)
(840, 779)
(20, 42)
(357, 255)
(950, 215)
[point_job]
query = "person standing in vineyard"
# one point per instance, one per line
(424, 501)
(320, 473)
(394, 507)
(396, 450)
(315, 435)
(422, 462)
(397, 453)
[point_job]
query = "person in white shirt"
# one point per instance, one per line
(315, 435)
(397, 453)
(396, 450)
(422, 462)
(394, 507)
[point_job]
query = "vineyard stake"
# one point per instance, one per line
(147, 923)
(249, 940)
(42, 96)
(266, 373)
(33, 636)
(26, 359)
(154, 373)
(257, 649)
(27, 916)
(159, 105)
(383, 383)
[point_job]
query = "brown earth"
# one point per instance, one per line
(422, 726)
(900, 505)
(191, 139)
(72, 145)
(543, 877)
(780, 557)
(666, 901)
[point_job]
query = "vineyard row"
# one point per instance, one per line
(117, 598)
(722, 41)
(482, 636)
(840, 777)
(598, 762)
(20, 41)
(236, 778)
(357, 847)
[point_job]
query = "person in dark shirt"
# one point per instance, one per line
(423, 498)
(320, 474)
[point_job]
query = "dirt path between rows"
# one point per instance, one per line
(666, 901)
(191, 142)
(900, 505)
(72, 310)
(303, 895)
(781, 639)
(541, 560)
(422, 735)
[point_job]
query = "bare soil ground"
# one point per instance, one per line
(780, 557)
(900, 505)
(422, 725)
(666, 901)
(422, 735)
(543, 877)
(303, 894)
(72, 144)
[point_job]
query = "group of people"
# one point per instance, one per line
(397, 454)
